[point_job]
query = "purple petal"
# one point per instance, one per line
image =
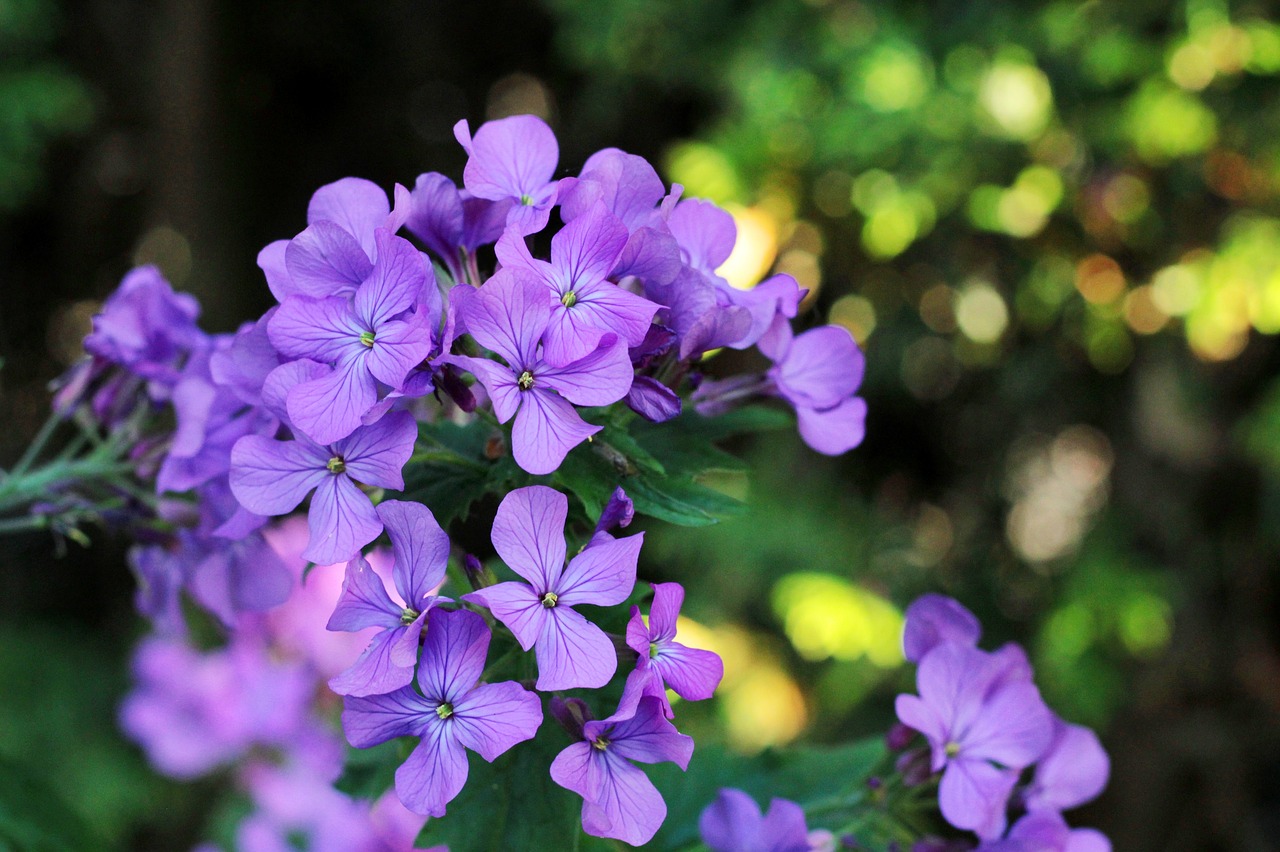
(508, 315)
(376, 454)
(453, 654)
(705, 232)
(918, 715)
(547, 427)
(954, 681)
(601, 378)
(405, 650)
(665, 609)
(272, 477)
(651, 255)
(245, 364)
(325, 260)
(364, 601)
(932, 619)
(355, 204)
(1013, 729)
(375, 719)
(573, 653)
(436, 216)
(692, 672)
(570, 335)
(732, 823)
(398, 347)
(835, 430)
(517, 606)
(322, 329)
(777, 296)
(511, 157)
(784, 828)
(281, 380)
(823, 367)
(612, 308)
(393, 287)
(435, 772)
(420, 546)
(498, 380)
(495, 716)
(271, 260)
(973, 795)
(646, 736)
(528, 533)
(375, 672)
(341, 521)
(626, 184)
(653, 400)
(628, 807)
(604, 574)
(1073, 771)
(331, 407)
(586, 249)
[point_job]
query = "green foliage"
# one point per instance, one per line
(34, 818)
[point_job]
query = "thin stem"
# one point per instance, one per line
(31, 522)
(36, 446)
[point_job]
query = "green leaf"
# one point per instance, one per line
(450, 470)
(370, 772)
(33, 817)
(589, 477)
(681, 501)
(511, 803)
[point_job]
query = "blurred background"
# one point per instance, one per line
(1054, 227)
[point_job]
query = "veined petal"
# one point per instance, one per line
(603, 574)
(330, 408)
(973, 795)
(271, 260)
(355, 204)
(393, 286)
(646, 736)
(272, 477)
(587, 248)
(692, 672)
(375, 672)
(547, 427)
(420, 546)
(573, 653)
(570, 336)
(497, 379)
(326, 260)
(705, 232)
(511, 157)
(375, 454)
(495, 716)
(378, 718)
(453, 654)
(620, 311)
(823, 367)
(1014, 728)
(628, 807)
(601, 378)
(665, 609)
(405, 650)
(281, 380)
(509, 314)
(321, 329)
(517, 606)
(364, 601)
(435, 772)
(436, 215)
(341, 521)
(528, 533)
(398, 347)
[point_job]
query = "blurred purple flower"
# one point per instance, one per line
(1048, 832)
(933, 619)
(733, 823)
(1073, 771)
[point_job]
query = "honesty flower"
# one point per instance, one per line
(453, 713)
(663, 662)
(453, 223)
(983, 729)
(509, 316)
(371, 337)
(421, 551)
(618, 799)
(513, 159)
(272, 477)
(528, 533)
(733, 823)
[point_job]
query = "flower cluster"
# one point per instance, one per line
(985, 724)
(385, 332)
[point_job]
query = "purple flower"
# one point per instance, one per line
(272, 477)
(528, 533)
(934, 619)
(1048, 832)
(369, 338)
(453, 223)
(618, 799)
(243, 365)
(453, 713)
(147, 328)
(336, 251)
(733, 823)
(1073, 771)
(663, 662)
(509, 316)
(421, 554)
(983, 729)
(818, 372)
(618, 512)
(585, 306)
(513, 159)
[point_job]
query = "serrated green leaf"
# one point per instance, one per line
(511, 803)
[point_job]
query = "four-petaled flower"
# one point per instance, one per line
(451, 714)
(663, 662)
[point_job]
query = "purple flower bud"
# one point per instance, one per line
(571, 714)
(899, 737)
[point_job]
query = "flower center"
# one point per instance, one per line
(366, 339)
(526, 200)
(952, 749)
(653, 650)
(445, 710)
(600, 743)
(569, 299)
(525, 381)
(409, 616)
(549, 599)
(337, 465)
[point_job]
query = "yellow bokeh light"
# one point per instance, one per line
(981, 313)
(1018, 97)
(755, 249)
(856, 314)
(827, 617)
(764, 708)
(895, 77)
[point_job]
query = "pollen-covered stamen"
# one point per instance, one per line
(600, 743)
(367, 338)
(337, 465)
(549, 599)
(569, 299)
(526, 200)
(952, 749)
(445, 710)
(409, 615)
(653, 650)
(525, 381)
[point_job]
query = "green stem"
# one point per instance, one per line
(36, 446)
(16, 525)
